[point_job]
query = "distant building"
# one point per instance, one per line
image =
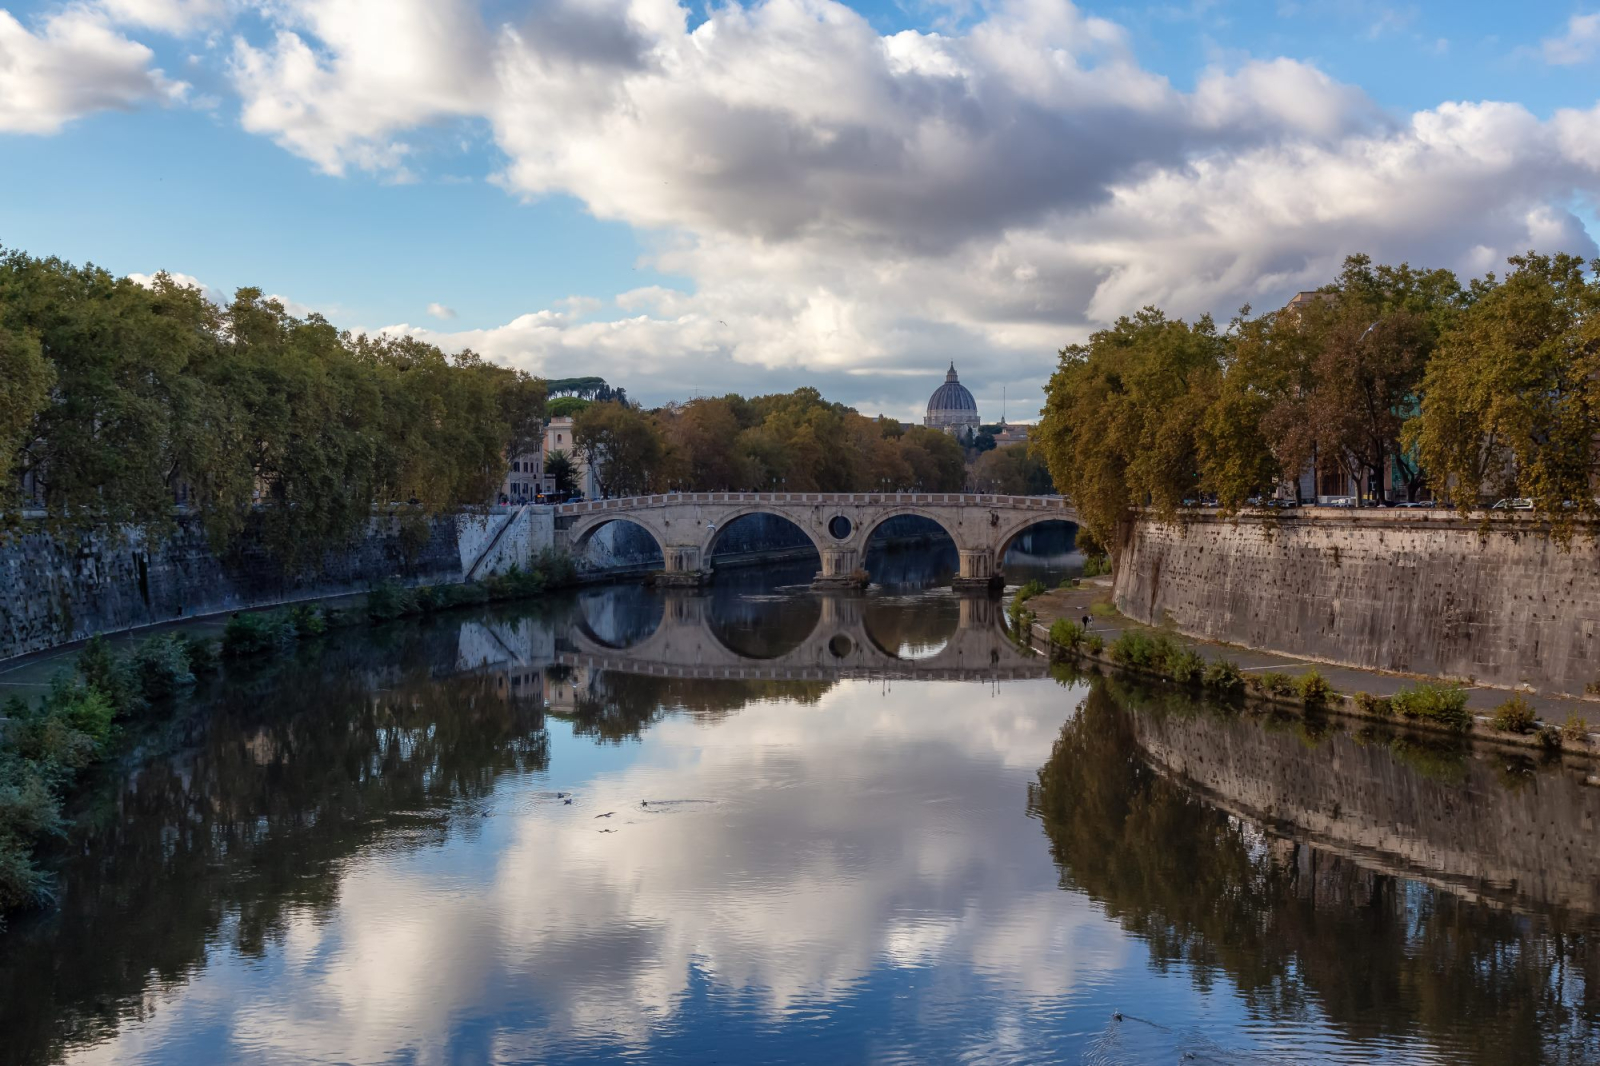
(952, 409)
(558, 438)
(524, 477)
(1301, 300)
(1007, 433)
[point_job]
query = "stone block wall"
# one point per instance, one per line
(495, 543)
(54, 591)
(1421, 592)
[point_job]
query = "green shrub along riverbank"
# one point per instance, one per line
(46, 745)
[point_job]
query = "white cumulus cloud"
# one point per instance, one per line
(170, 16)
(852, 209)
(438, 310)
(1578, 45)
(215, 295)
(74, 64)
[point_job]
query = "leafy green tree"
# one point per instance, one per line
(27, 378)
(1012, 470)
(100, 450)
(567, 406)
(703, 436)
(1511, 399)
(622, 445)
(1122, 417)
(558, 468)
(935, 459)
(122, 399)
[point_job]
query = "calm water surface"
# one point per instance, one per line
(801, 828)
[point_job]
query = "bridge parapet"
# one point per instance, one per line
(812, 499)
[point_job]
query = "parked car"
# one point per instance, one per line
(1414, 503)
(1515, 503)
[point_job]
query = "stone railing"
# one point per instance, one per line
(671, 499)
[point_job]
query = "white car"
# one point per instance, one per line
(1515, 503)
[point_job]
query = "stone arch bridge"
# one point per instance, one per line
(686, 526)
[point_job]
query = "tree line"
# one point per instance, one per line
(121, 399)
(793, 441)
(1461, 393)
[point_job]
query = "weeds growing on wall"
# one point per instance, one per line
(1313, 688)
(1374, 705)
(1272, 683)
(1022, 619)
(1515, 715)
(1066, 633)
(1444, 704)
(253, 634)
(162, 666)
(1186, 667)
(1225, 677)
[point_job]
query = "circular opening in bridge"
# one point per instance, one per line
(840, 646)
(839, 526)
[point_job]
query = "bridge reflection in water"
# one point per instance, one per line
(844, 636)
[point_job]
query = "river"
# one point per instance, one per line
(761, 824)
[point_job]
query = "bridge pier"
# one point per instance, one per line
(681, 567)
(977, 570)
(841, 569)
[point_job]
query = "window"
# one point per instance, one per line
(558, 438)
(516, 467)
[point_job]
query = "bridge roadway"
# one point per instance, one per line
(839, 524)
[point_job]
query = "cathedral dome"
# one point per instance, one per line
(952, 408)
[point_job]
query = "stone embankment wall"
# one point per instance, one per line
(1422, 592)
(495, 542)
(1391, 816)
(57, 590)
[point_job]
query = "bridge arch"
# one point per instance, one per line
(770, 510)
(582, 534)
(913, 510)
(1010, 533)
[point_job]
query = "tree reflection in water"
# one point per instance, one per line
(261, 795)
(1296, 927)
(619, 706)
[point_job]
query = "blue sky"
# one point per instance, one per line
(792, 192)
